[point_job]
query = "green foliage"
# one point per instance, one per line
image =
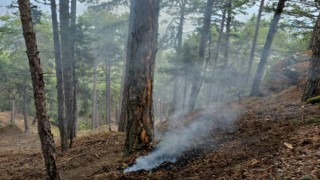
(102, 36)
(307, 177)
(84, 125)
(313, 120)
(313, 100)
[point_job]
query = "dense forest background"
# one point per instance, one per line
(101, 37)
(139, 67)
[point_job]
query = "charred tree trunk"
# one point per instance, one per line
(254, 42)
(255, 90)
(44, 130)
(196, 84)
(313, 83)
(138, 85)
(25, 109)
(123, 101)
(228, 30)
(108, 93)
(59, 76)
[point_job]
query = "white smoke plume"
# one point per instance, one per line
(177, 141)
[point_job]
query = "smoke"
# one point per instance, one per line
(178, 140)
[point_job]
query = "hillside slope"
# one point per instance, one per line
(275, 137)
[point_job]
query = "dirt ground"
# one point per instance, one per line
(274, 137)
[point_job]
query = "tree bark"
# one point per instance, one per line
(255, 90)
(228, 30)
(216, 56)
(73, 123)
(123, 116)
(59, 76)
(138, 85)
(175, 96)
(312, 88)
(217, 51)
(161, 107)
(108, 93)
(67, 63)
(254, 41)
(25, 109)
(196, 84)
(94, 96)
(44, 130)
(13, 113)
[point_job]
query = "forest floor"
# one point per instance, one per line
(274, 137)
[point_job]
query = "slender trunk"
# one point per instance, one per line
(206, 28)
(59, 76)
(197, 83)
(13, 113)
(254, 42)
(184, 98)
(216, 57)
(175, 95)
(123, 115)
(121, 124)
(217, 51)
(44, 130)
(312, 88)
(67, 64)
(25, 109)
(94, 96)
(255, 90)
(161, 107)
(137, 92)
(108, 93)
(72, 123)
(117, 109)
(228, 30)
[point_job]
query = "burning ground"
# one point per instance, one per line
(273, 137)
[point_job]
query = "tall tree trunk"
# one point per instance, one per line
(255, 90)
(59, 76)
(217, 51)
(44, 130)
(175, 96)
(254, 42)
(216, 56)
(123, 116)
(137, 92)
(161, 107)
(196, 84)
(108, 93)
(25, 109)
(184, 97)
(228, 30)
(94, 96)
(73, 122)
(67, 63)
(13, 113)
(312, 88)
